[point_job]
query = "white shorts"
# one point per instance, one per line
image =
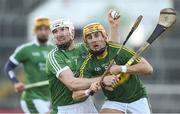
(84, 107)
(41, 106)
(139, 106)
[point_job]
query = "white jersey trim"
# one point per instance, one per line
(53, 61)
(12, 57)
(60, 71)
(13, 60)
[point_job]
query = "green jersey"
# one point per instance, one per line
(33, 57)
(129, 91)
(57, 62)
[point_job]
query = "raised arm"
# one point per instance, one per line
(114, 28)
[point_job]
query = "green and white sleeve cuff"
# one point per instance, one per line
(61, 70)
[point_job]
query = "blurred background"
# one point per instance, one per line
(16, 23)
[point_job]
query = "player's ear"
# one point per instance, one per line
(73, 33)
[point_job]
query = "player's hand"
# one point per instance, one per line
(95, 87)
(19, 87)
(113, 22)
(115, 69)
(110, 81)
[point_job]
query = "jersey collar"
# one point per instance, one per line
(105, 53)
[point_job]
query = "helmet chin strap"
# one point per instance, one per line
(97, 53)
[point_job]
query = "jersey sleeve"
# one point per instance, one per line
(19, 55)
(82, 46)
(55, 64)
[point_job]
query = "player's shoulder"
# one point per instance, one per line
(24, 46)
(114, 45)
(81, 46)
(53, 51)
(52, 54)
(51, 45)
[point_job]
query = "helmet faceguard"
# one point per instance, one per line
(62, 23)
(93, 27)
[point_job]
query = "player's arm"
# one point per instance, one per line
(17, 57)
(109, 80)
(80, 95)
(143, 68)
(9, 71)
(59, 67)
(67, 77)
(114, 28)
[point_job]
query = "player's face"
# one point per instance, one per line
(61, 35)
(96, 41)
(42, 33)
